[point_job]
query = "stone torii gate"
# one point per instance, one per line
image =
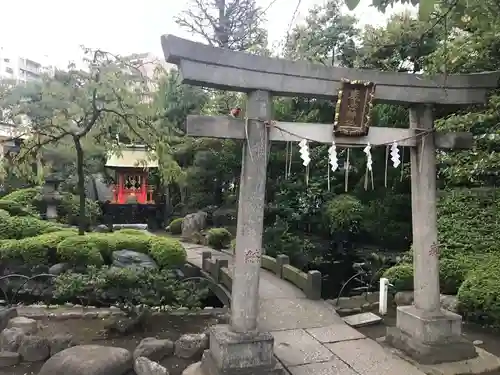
(423, 330)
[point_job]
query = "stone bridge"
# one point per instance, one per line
(309, 336)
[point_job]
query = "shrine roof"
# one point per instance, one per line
(131, 157)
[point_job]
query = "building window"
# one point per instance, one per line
(9, 70)
(6, 60)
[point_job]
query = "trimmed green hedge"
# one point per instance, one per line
(18, 227)
(167, 252)
(218, 238)
(176, 226)
(79, 250)
(401, 276)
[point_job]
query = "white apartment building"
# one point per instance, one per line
(21, 69)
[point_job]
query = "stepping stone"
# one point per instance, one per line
(363, 319)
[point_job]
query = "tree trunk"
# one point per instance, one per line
(82, 222)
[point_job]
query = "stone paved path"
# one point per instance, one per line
(310, 338)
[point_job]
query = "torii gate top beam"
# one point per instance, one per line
(218, 68)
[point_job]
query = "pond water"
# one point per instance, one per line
(490, 340)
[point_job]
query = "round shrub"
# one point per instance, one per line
(479, 295)
(344, 214)
(167, 252)
(80, 251)
(176, 226)
(218, 238)
(401, 276)
(139, 243)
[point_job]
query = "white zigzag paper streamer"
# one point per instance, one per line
(396, 161)
(304, 152)
(332, 157)
(369, 160)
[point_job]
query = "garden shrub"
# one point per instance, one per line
(34, 250)
(79, 251)
(14, 208)
(468, 222)
(401, 276)
(167, 252)
(17, 227)
(344, 215)
(218, 238)
(479, 295)
(176, 226)
(25, 197)
(128, 288)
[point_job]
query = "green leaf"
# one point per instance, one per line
(426, 7)
(351, 4)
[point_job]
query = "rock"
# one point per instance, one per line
(477, 342)
(191, 346)
(154, 349)
(89, 360)
(60, 342)
(8, 359)
(449, 302)
(10, 339)
(403, 298)
(132, 259)
(6, 314)
(27, 325)
(101, 228)
(194, 223)
(34, 348)
(194, 369)
(59, 268)
(144, 366)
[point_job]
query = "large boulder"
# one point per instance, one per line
(194, 223)
(34, 349)
(89, 360)
(154, 349)
(132, 259)
(27, 325)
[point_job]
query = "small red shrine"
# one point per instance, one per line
(132, 166)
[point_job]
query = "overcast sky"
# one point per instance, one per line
(56, 28)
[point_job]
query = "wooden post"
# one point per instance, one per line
(245, 288)
(426, 250)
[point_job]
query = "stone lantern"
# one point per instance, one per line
(51, 196)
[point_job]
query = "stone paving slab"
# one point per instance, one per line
(282, 314)
(363, 319)
(335, 333)
(367, 357)
(297, 347)
(333, 367)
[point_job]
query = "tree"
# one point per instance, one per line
(327, 36)
(232, 24)
(110, 95)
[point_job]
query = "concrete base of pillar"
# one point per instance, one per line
(232, 353)
(430, 338)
